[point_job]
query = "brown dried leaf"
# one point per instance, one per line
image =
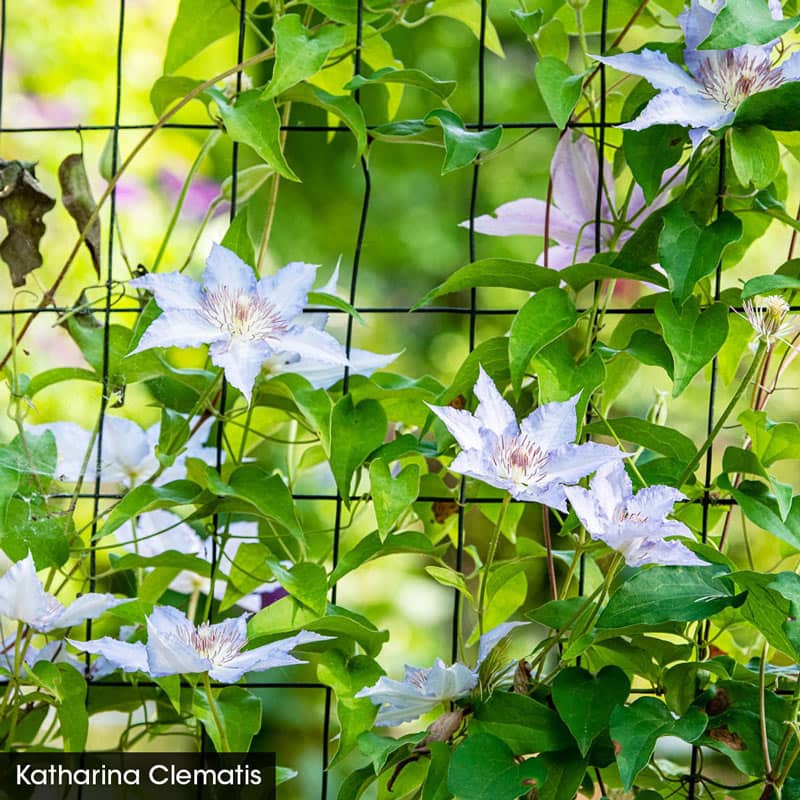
(23, 203)
(727, 737)
(77, 198)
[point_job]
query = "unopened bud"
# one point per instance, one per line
(658, 411)
(441, 729)
(231, 87)
(522, 677)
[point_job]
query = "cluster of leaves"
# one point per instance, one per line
(570, 721)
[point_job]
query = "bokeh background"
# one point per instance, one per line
(59, 72)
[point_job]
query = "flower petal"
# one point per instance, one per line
(657, 551)
(655, 501)
(465, 428)
(449, 683)
(225, 269)
(22, 595)
(527, 217)
(288, 288)
(655, 68)
(612, 488)
(680, 108)
(72, 442)
(127, 451)
(127, 656)
(588, 510)
(553, 424)
(172, 290)
(492, 638)
(493, 411)
(179, 328)
(790, 69)
(241, 359)
(696, 22)
(87, 606)
(312, 343)
(572, 462)
(323, 374)
(167, 654)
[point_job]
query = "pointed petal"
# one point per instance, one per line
(449, 683)
(476, 464)
(527, 217)
(166, 653)
(655, 68)
(572, 462)
(127, 450)
(127, 656)
(72, 442)
(22, 595)
(172, 290)
(588, 510)
(563, 256)
(493, 411)
(331, 286)
(657, 551)
(612, 488)
(87, 606)
(312, 343)
(288, 288)
(322, 374)
(225, 269)
(553, 424)
(655, 502)
(179, 328)
(679, 108)
(551, 495)
(790, 69)
(241, 359)
(465, 428)
(492, 638)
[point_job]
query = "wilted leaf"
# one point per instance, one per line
(76, 194)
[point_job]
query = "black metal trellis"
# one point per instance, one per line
(472, 311)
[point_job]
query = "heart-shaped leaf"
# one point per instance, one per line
(392, 496)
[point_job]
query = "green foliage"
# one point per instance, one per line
(560, 88)
(745, 22)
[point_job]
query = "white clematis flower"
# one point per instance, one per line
(129, 456)
(54, 651)
(532, 460)
(422, 690)
(573, 210)
(244, 321)
(634, 525)
(718, 81)
(175, 646)
(23, 598)
(160, 531)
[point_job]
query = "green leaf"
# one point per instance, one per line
(766, 609)
(767, 284)
(650, 152)
(585, 701)
(449, 577)
(492, 355)
(522, 723)
(545, 317)
(560, 88)
(776, 109)
(148, 498)
(255, 121)
(688, 252)
(658, 438)
(771, 441)
(237, 239)
(240, 714)
(755, 155)
(580, 275)
(693, 337)
(435, 787)
(198, 24)
(379, 749)
(392, 496)
(50, 377)
(495, 272)
(529, 21)
(669, 594)
(169, 88)
(356, 430)
(636, 728)
(745, 22)
(374, 546)
(409, 77)
(299, 54)
(461, 146)
(347, 675)
(557, 614)
(68, 688)
(342, 106)
(483, 768)
(306, 582)
(76, 195)
(565, 771)
(469, 13)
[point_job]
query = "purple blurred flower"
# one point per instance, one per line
(201, 193)
(572, 224)
(706, 97)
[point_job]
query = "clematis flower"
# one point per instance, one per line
(532, 460)
(718, 81)
(635, 525)
(245, 321)
(422, 690)
(175, 646)
(54, 651)
(573, 209)
(24, 599)
(768, 318)
(160, 531)
(128, 451)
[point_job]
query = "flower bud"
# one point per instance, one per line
(441, 729)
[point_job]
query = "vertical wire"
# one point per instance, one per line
(337, 524)
(2, 53)
(98, 478)
(473, 318)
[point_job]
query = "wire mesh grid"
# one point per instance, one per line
(472, 311)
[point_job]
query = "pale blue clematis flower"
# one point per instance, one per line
(573, 210)
(244, 321)
(718, 81)
(175, 646)
(422, 690)
(23, 598)
(635, 525)
(532, 460)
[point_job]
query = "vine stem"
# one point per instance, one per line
(548, 543)
(212, 704)
(745, 382)
(493, 542)
(264, 55)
